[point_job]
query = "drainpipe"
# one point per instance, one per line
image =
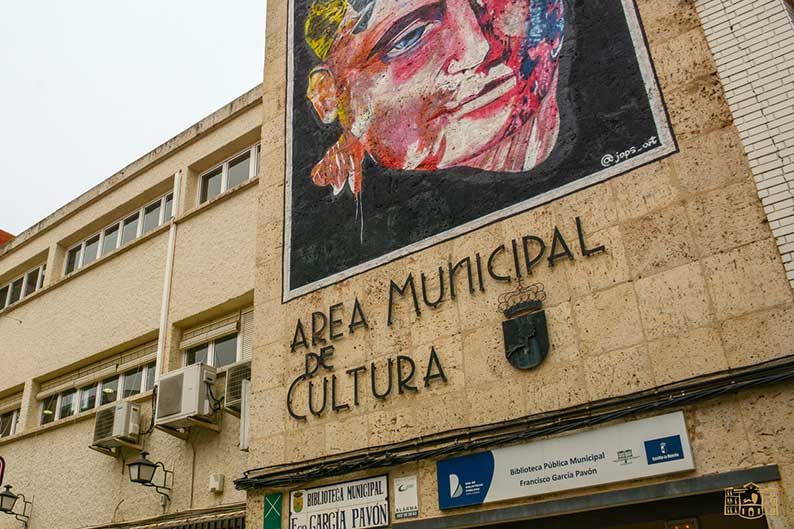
(169, 267)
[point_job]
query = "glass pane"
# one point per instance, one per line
(111, 239)
(151, 217)
(32, 283)
(211, 184)
(88, 398)
(110, 389)
(130, 230)
(16, 291)
(132, 382)
(7, 424)
(238, 170)
(48, 409)
(225, 351)
(67, 404)
(3, 296)
(197, 355)
(169, 204)
(71, 259)
(91, 250)
(149, 377)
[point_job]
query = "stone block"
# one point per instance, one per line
(483, 355)
(644, 190)
(346, 434)
(674, 301)
(439, 413)
(710, 161)
(696, 352)
(683, 58)
(601, 270)
(726, 218)
(618, 372)
(717, 435)
(489, 403)
(595, 205)
(556, 386)
(608, 320)
(768, 416)
(759, 336)
(658, 241)
(746, 279)
(563, 345)
(665, 19)
(698, 107)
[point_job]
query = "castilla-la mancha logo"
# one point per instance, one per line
(525, 333)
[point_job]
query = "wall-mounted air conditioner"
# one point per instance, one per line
(117, 425)
(235, 374)
(183, 396)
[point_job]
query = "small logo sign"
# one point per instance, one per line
(526, 334)
(297, 501)
(749, 502)
(664, 449)
(625, 457)
(455, 489)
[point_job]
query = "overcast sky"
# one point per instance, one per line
(88, 86)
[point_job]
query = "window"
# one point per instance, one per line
(110, 240)
(22, 286)
(218, 353)
(8, 423)
(129, 230)
(132, 382)
(119, 233)
(110, 390)
(48, 407)
(151, 217)
(91, 250)
(229, 174)
(148, 382)
(88, 398)
(66, 407)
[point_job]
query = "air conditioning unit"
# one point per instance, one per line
(184, 395)
(117, 425)
(235, 374)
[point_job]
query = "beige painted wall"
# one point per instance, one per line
(691, 283)
(116, 302)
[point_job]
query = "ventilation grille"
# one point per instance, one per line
(234, 384)
(103, 428)
(169, 396)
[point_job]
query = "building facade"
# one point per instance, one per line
(521, 264)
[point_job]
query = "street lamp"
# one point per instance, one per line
(142, 471)
(7, 502)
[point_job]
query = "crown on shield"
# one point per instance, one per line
(522, 299)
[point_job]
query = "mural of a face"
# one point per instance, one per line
(432, 84)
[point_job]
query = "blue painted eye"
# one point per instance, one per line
(408, 40)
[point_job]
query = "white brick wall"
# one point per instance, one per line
(753, 46)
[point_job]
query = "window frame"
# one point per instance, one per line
(119, 225)
(41, 269)
(211, 350)
(253, 171)
(78, 393)
(14, 421)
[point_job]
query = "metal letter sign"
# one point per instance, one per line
(2, 469)
(526, 336)
(526, 340)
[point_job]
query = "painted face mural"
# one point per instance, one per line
(412, 122)
(427, 85)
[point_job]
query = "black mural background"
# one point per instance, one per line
(603, 108)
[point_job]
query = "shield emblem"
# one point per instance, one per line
(526, 340)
